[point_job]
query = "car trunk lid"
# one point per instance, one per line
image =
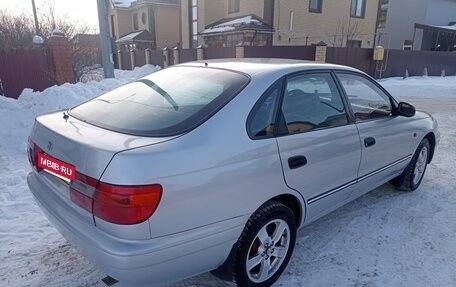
(87, 147)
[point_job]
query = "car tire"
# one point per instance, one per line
(265, 246)
(413, 174)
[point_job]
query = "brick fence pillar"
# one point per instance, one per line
(239, 51)
(61, 58)
(320, 54)
(147, 54)
(132, 59)
(119, 59)
(176, 55)
(200, 53)
(165, 57)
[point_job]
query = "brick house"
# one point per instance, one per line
(159, 18)
(343, 23)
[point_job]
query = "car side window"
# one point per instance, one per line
(366, 99)
(312, 101)
(262, 118)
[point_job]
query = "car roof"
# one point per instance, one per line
(256, 66)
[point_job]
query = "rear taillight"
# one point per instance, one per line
(117, 204)
(33, 150)
(126, 204)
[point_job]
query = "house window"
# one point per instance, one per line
(194, 24)
(233, 39)
(408, 45)
(382, 13)
(135, 22)
(357, 8)
(113, 26)
(315, 6)
(291, 20)
(354, 44)
(233, 6)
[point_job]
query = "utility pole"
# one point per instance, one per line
(37, 27)
(105, 42)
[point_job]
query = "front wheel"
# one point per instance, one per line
(413, 174)
(265, 246)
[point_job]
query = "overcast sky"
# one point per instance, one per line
(85, 10)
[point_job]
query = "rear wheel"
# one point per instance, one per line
(413, 174)
(265, 246)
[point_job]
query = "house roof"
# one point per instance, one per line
(135, 36)
(449, 28)
(88, 40)
(248, 22)
(132, 3)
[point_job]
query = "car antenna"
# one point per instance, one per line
(65, 116)
(205, 64)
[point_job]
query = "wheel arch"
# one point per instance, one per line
(293, 203)
(224, 271)
(431, 138)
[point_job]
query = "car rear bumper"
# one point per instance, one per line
(140, 262)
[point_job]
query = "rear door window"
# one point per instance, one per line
(165, 103)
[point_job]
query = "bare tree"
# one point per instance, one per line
(15, 31)
(49, 20)
(346, 30)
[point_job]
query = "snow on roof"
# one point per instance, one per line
(240, 21)
(232, 24)
(129, 36)
(452, 27)
(129, 3)
(122, 3)
(424, 26)
(38, 40)
(218, 29)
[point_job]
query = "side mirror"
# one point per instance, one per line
(405, 109)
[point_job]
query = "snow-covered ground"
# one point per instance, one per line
(385, 238)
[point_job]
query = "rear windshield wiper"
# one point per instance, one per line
(159, 90)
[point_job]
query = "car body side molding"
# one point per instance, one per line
(337, 189)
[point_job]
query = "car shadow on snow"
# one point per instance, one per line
(314, 239)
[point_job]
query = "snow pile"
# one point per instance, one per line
(423, 87)
(385, 238)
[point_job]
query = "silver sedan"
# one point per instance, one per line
(213, 166)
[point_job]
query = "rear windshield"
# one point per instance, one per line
(165, 103)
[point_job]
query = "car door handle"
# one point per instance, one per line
(370, 141)
(297, 161)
